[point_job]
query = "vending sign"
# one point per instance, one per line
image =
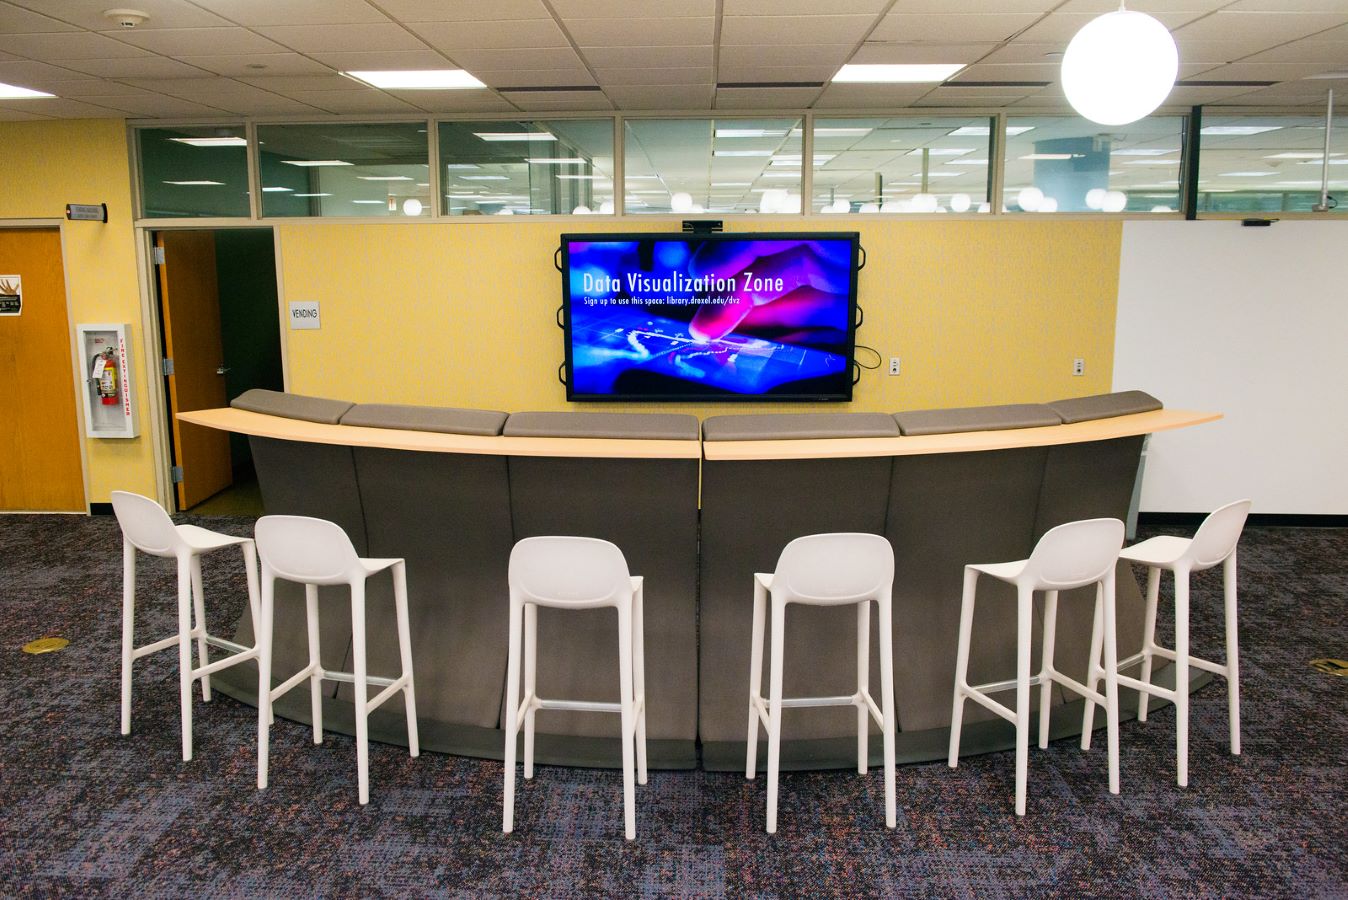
(11, 295)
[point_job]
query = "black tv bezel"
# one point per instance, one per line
(572, 396)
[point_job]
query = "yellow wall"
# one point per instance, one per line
(43, 166)
(462, 314)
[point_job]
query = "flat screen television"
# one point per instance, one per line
(675, 316)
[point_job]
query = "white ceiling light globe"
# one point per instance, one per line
(412, 207)
(681, 202)
(985, 207)
(1095, 198)
(1029, 198)
(1115, 201)
(1048, 204)
(925, 203)
(581, 210)
(790, 204)
(893, 206)
(960, 203)
(606, 208)
(505, 211)
(869, 208)
(772, 200)
(1119, 67)
(1161, 208)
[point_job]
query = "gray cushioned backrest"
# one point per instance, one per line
(292, 406)
(640, 426)
(1104, 406)
(798, 426)
(976, 418)
(442, 419)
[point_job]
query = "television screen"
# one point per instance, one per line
(766, 316)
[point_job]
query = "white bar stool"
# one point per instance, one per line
(573, 573)
(1213, 544)
(1068, 556)
(825, 570)
(147, 527)
(317, 552)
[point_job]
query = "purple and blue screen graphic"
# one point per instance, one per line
(693, 316)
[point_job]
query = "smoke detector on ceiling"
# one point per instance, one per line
(126, 18)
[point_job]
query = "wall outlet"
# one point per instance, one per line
(893, 365)
(1079, 366)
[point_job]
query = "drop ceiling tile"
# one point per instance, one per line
(1026, 53)
(552, 99)
(375, 60)
(954, 101)
(951, 27)
(1150, 7)
(800, 7)
(284, 84)
(973, 6)
(655, 76)
(622, 9)
(1212, 53)
(991, 91)
(192, 87)
(256, 13)
(1260, 30)
(159, 106)
(743, 71)
(1331, 53)
(23, 71)
(440, 11)
(1045, 71)
(138, 67)
(88, 14)
(1062, 27)
(765, 98)
(343, 38)
(754, 30)
(540, 103)
(258, 64)
(536, 77)
(16, 20)
(458, 101)
(788, 55)
(199, 41)
(541, 58)
(922, 52)
(1187, 96)
(1248, 71)
(94, 89)
(76, 45)
(11, 114)
(355, 102)
(68, 109)
(1278, 6)
(513, 35)
(682, 97)
(869, 96)
(622, 57)
(263, 105)
(634, 31)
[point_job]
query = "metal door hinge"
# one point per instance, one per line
(166, 366)
(176, 473)
(157, 255)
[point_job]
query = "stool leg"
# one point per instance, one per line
(1024, 623)
(128, 628)
(199, 612)
(776, 651)
(185, 651)
(639, 678)
(405, 653)
(530, 684)
(1148, 639)
(755, 677)
(1046, 666)
(1232, 651)
(250, 570)
(1105, 593)
(863, 682)
(629, 723)
(362, 688)
(512, 710)
(315, 667)
(1182, 676)
(1093, 672)
(264, 627)
(962, 662)
(885, 617)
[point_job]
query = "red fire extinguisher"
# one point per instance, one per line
(105, 376)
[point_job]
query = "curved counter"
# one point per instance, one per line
(452, 490)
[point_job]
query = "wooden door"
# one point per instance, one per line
(190, 304)
(40, 466)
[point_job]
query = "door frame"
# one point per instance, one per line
(76, 359)
(153, 328)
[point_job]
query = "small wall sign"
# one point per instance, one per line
(11, 295)
(87, 212)
(304, 315)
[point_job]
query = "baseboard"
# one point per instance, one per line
(1276, 520)
(100, 509)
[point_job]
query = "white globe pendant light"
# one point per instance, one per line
(1119, 67)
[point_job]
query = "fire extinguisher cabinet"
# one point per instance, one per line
(106, 361)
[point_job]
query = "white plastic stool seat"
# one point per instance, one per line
(147, 527)
(574, 573)
(825, 570)
(1213, 544)
(1069, 556)
(316, 552)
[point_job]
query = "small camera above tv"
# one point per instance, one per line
(766, 316)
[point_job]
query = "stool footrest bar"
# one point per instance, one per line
(234, 658)
(155, 647)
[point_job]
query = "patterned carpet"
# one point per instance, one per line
(86, 812)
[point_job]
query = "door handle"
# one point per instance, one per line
(222, 370)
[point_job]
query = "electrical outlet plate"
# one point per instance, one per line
(893, 365)
(1079, 366)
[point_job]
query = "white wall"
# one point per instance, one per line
(1251, 322)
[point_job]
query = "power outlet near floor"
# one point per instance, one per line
(1079, 366)
(893, 365)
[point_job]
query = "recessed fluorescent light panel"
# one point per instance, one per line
(941, 151)
(897, 74)
(1238, 129)
(314, 163)
(557, 161)
(1142, 151)
(418, 79)
(14, 92)
(497, 136)
(196, 183)
(748, 133)
(383, 178)
(983, 131)
(212, 141)
(277, 190)
(741, 153)
(1244, 174)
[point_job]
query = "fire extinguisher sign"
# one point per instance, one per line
(11, 295)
